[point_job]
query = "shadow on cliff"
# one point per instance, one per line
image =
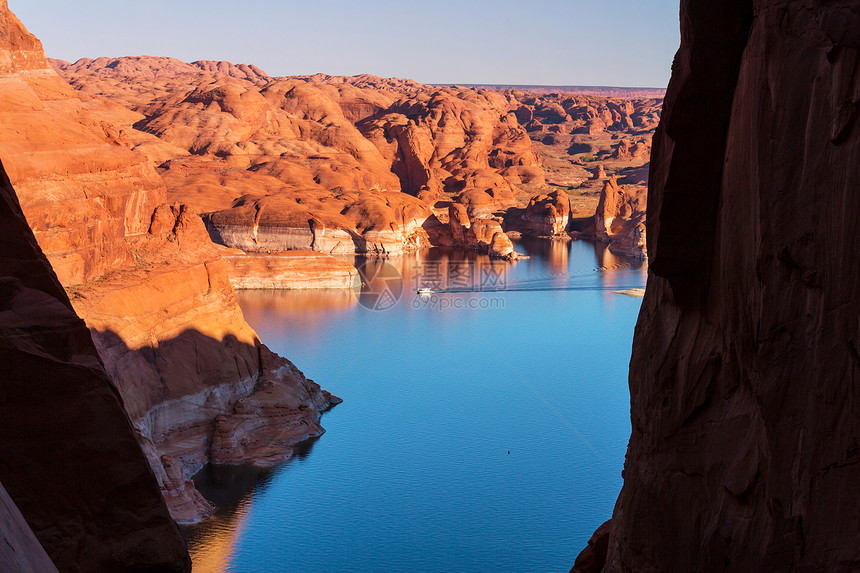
(231, 487)
(196, 399)
(186, 364)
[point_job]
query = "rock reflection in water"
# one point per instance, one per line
(233, 489)
(260, 301)
(556, 253)
(437, 268)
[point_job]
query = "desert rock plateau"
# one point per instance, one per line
(371, 165)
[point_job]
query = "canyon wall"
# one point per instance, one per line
(746, 360)
(69, 457)
(144, 275)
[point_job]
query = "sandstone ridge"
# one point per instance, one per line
(292, 163)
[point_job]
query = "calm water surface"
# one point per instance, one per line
(486, 437)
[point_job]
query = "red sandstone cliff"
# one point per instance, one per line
(153, 289)
(69, 457)
(746, 358)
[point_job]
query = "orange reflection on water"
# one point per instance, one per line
(558, 256)
(606, 258)
(261, 301)
(217, 538)
(612, 263)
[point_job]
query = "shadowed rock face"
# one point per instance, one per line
(68, 454)
(19, 548)
(746, 359)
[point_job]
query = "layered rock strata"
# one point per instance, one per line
(373, 223)
(292, 270)
(743, 454)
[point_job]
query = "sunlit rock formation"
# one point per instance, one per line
(620, 218)
(545, 216)
(484, 235)
(332, 164)
(278, 163)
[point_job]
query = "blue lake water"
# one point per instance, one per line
(480, 431)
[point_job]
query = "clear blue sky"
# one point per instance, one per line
(550, 42)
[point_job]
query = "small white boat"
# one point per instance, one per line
(425, 291)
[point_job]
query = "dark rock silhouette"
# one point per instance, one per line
(746, 359)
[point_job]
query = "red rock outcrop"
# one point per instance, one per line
(69, 457)
(142, 273)
(485, 235)
(561, 113)
(638, 150)
(453, 140)
(545, 216)
(746, 359)
(620, 218)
